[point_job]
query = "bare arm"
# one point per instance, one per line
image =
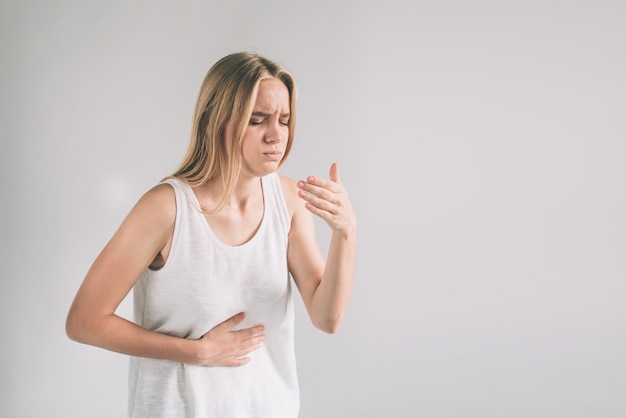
(325, 286)
(145, 232)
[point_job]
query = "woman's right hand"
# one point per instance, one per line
(222, 346)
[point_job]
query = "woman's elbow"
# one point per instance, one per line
(76, 327)
(329, 325)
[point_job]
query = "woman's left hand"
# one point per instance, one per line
(328, 199)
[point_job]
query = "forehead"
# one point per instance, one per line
(272, 95)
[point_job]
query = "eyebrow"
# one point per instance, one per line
(284, 115)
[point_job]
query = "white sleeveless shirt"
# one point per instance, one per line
(203, 283)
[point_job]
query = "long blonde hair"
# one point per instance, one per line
(227, 96)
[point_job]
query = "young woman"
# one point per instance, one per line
(209, 253)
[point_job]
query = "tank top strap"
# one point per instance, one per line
(274, 196)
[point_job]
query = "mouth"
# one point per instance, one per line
(273, 155)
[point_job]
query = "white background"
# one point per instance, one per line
(483, 144)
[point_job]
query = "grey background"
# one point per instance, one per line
(483, 144)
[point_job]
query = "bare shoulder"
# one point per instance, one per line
(288, 184)
(290, 191)
(162, 193)
(157, 206)
(301, 218)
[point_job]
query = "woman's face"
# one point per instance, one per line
(266, 136)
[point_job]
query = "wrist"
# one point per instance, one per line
(188, 351)
(200, 352)
(346, 233)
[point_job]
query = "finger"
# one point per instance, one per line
(238, 362)
(334, 173)
(233, 321)
(245, 349)
(250, 345)
(309, 192)
(251, 332)
(321, 203)
(319, 183)
(324, 214)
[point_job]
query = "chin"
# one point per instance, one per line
(261, 171)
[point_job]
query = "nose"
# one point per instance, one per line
(274, 133)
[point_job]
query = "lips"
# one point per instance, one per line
(274, 155)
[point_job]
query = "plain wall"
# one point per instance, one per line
(483, 145)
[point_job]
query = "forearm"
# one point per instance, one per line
(326, 286)
(120, 335)
(333, 292)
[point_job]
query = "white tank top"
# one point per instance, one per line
(203, 283)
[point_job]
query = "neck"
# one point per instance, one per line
(247, 190)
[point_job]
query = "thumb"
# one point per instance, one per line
(334, 173)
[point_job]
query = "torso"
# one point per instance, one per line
(204, 282)
(232, 227)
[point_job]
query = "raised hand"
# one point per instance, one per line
(328, 199)
(222, 346)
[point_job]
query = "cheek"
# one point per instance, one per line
(247, 146)
(285, 134)
(247, 138)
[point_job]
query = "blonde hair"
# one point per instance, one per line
(227, 97)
